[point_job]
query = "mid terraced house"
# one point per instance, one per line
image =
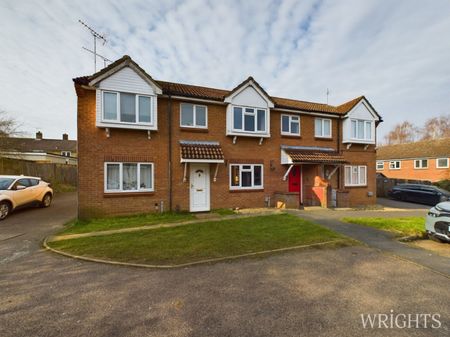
(147, 145)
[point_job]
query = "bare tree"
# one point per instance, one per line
(8, 126)
(436, 127)
(402, 133)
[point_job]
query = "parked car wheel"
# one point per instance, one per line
(5, 209)
(47, 200)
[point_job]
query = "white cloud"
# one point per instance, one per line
(392, 52)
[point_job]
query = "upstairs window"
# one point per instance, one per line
(380, 165)
(128, 177)
(361, 129)
(127, 108)
(193, 116)
(290, 125)
(394, 165)
(251, 120)
(421, 163)
(66, 153)
(322, 128)
(442, 162)
(246, 176)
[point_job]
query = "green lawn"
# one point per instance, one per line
(402, 226)
(194, 242)
(104, 224)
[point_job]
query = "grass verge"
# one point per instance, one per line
(201, 241)
(104, 224)
(405, 226)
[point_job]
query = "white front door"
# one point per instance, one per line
(199, 193)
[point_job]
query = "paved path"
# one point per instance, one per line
(307, 293)
(376, 238)
(401, 204)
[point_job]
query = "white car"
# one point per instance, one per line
(437, 223)
(18, 191)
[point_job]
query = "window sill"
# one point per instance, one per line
(323, 138)
(285, 135)
(127, 194)
(356, 186)
(193, 129)
(246, 190)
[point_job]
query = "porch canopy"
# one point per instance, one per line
(297, 155)
(310, 155)
(200, 152)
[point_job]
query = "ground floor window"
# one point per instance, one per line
(128, 177)
(356, 175)
(246, 176)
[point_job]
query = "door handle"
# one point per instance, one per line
(199, 190)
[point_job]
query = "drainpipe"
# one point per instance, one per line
(169, 116)
(339, 151)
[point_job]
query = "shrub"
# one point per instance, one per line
(445, 184)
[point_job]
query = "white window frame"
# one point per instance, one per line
(240, 187)
(323, 128)
(290, 133)
(380, 163)
(121, 190)
(437, 163)
(255, 114)
(418, 164)
(136, 108)
(365, 123)
(394, 167)
(66, 153)
(194, 111)
(359, 182)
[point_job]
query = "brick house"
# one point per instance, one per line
(147, 145)
(424, 160)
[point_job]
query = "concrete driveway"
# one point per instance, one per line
(23, 231)
(309, 293)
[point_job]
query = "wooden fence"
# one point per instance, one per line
(384, 184)
(50, 172)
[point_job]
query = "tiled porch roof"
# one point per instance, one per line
(314, 156)
(199, 151)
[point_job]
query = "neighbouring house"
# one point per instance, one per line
(59, 151)
(424, 160)
(149, 145)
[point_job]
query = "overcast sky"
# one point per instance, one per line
(397, 53)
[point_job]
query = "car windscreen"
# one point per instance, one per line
(5, 183)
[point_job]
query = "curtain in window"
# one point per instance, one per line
(318, 127)
(326, 128)
(187, 114)
(129, 177)
(261, 120)
(237, 118)
(113, 177)
(235, 175)
(145, 176)
(128, 108)
(109, 105)
(145, 109)
(200, 115)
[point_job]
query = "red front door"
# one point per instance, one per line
(294, 179)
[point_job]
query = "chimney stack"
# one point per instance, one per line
(39, 135)
(65, 136)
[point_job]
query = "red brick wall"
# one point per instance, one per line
(407, 171)
(94, 147)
